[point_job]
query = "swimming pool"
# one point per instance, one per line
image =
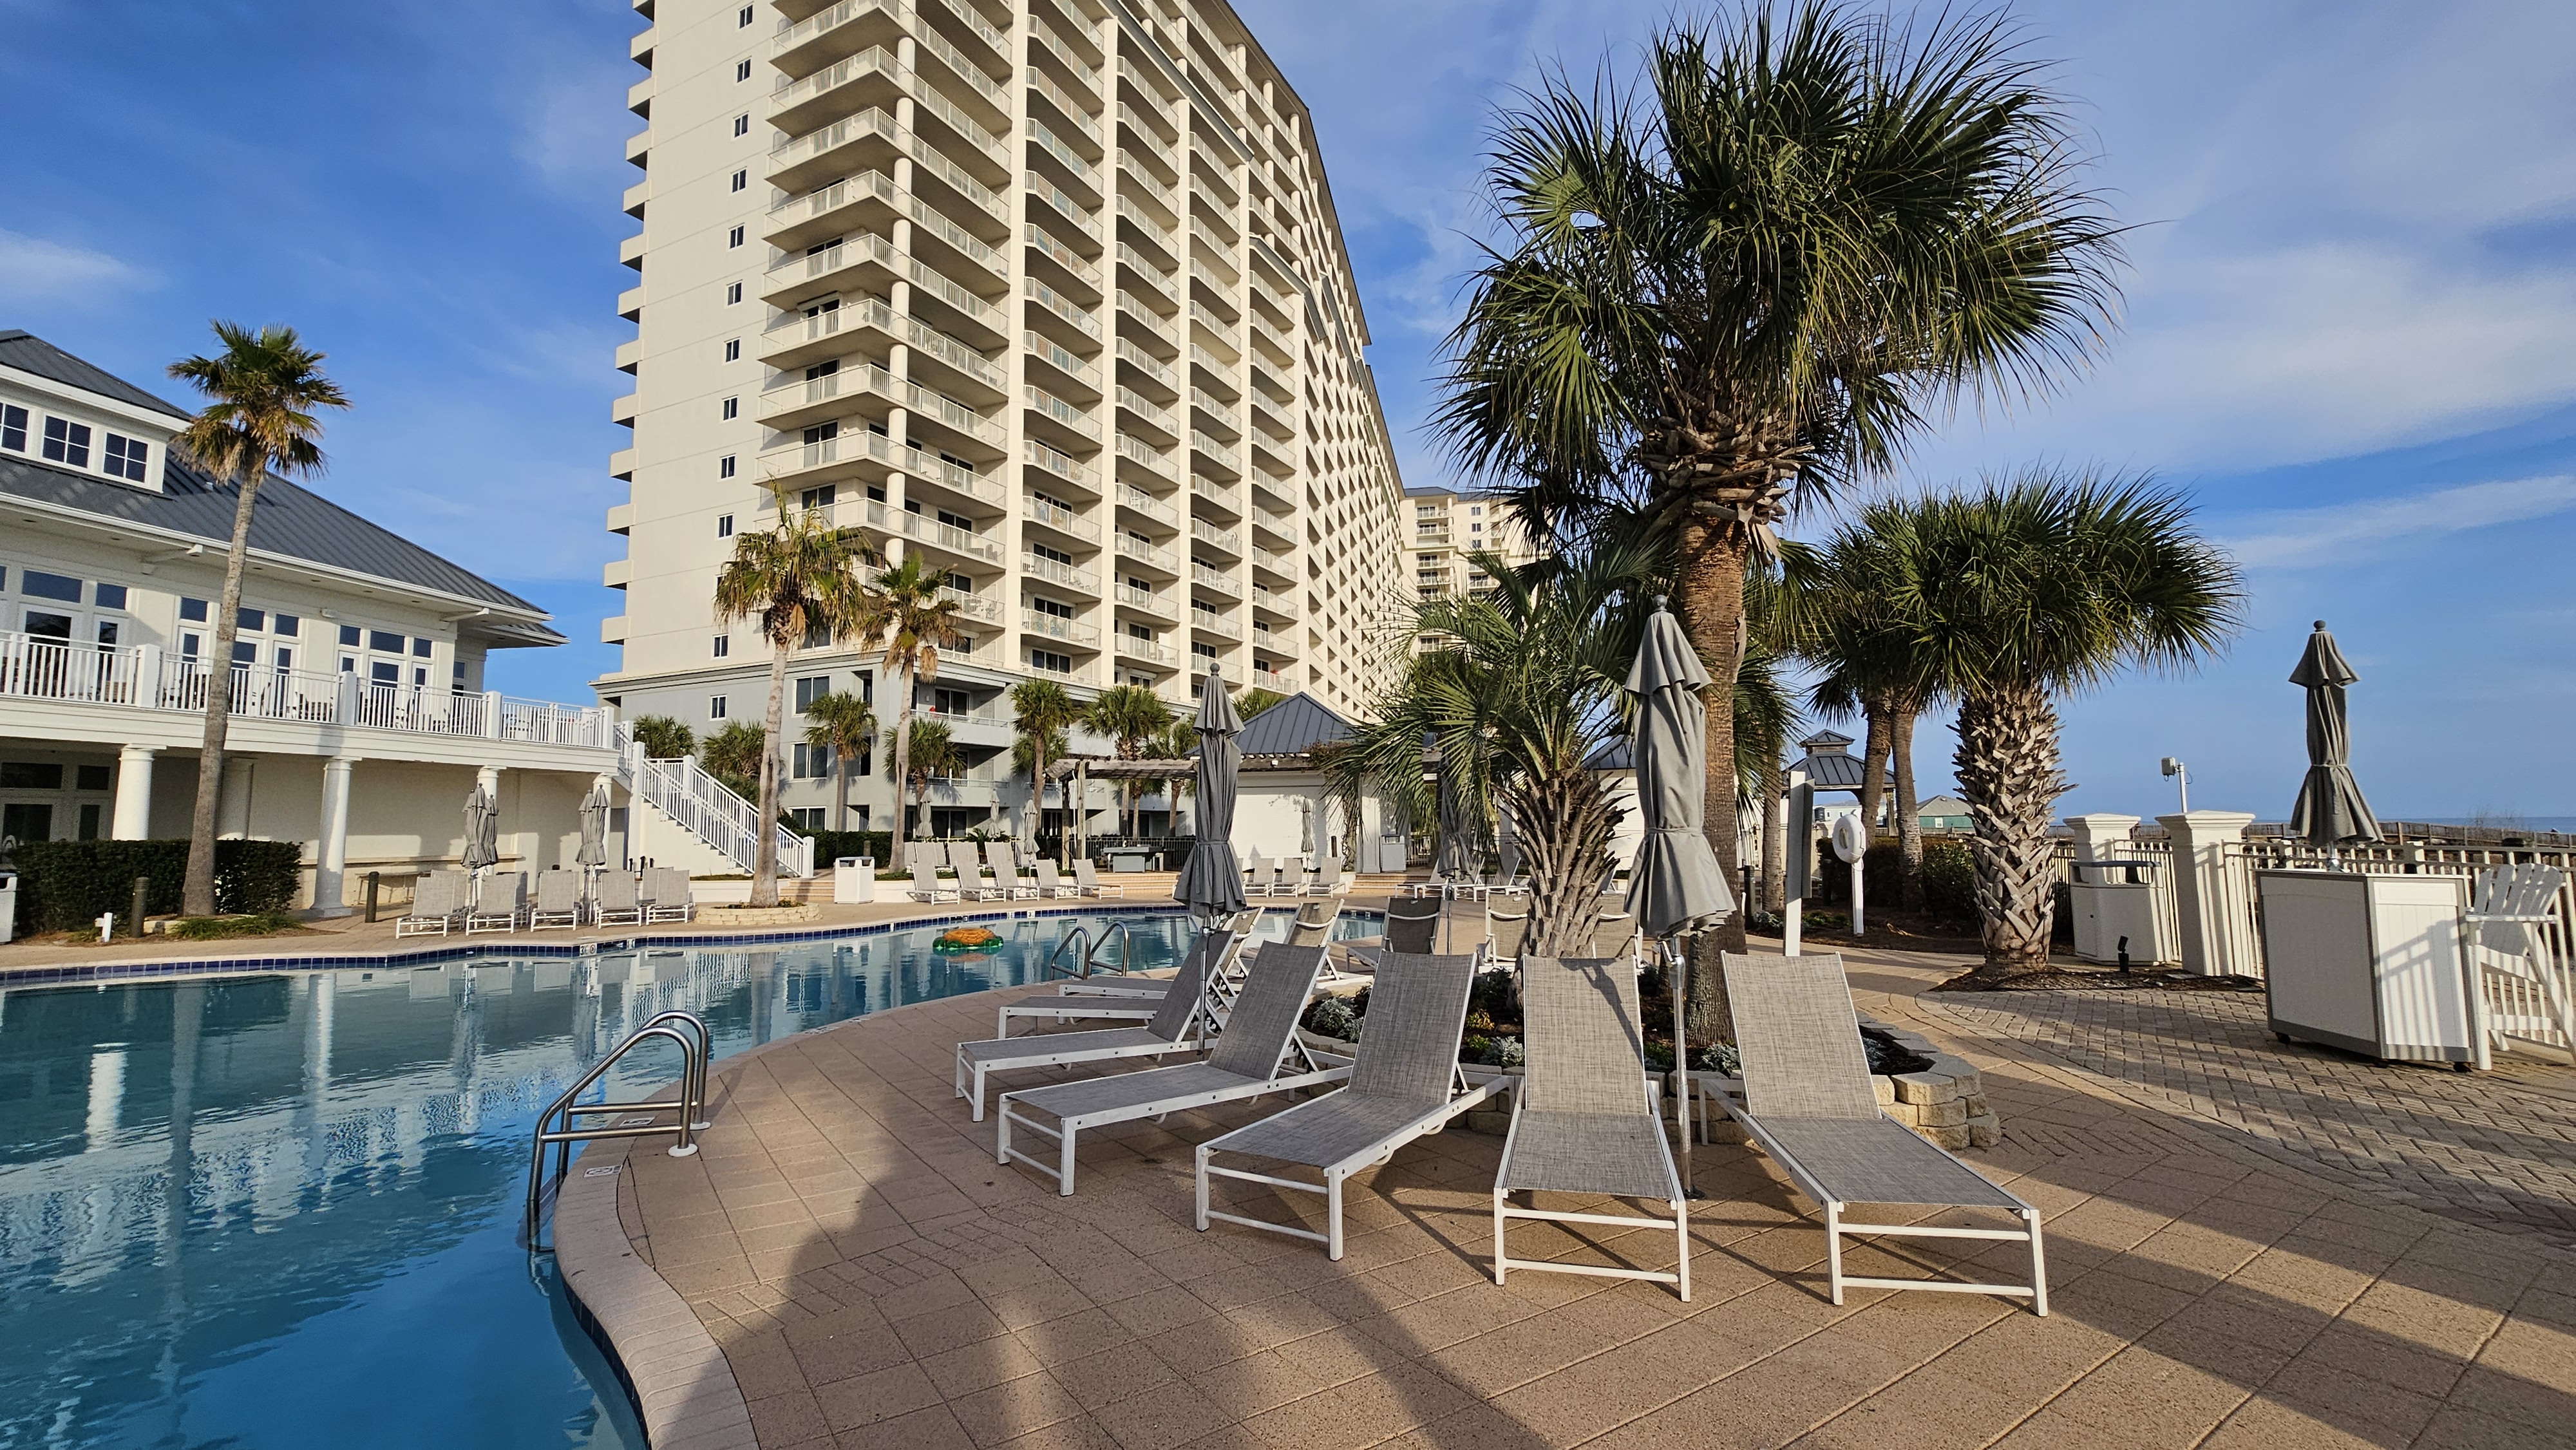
(282, 1210)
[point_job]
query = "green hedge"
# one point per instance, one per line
(830, 846)
(66, 885)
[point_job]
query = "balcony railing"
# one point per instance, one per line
(1273, 681)
(144, 677)
(1070, 414)
(1082, 70)
(1146, 363)
(1058, 517)
(1071, 576)
(921, 528)
(1147, 409)
(1133, 447)
(1044, 138)
(1130, 496)
(1131, 647)
(1056, 626)
(1216, 452)
(1063, 359)
(1146, 599)
(1222, 583)
(1215, 407)
(1061, 305)
(1059, 198)
(1215, 623)
(974, 606)
(1147, 553)
(1208, 533)
(1074, 111)
(1060, 463)
(1064, 256)
(909, 458)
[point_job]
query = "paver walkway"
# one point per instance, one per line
(873, 1279)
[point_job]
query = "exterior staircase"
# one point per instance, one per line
(684, 806)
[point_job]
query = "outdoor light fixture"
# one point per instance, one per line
(2180, 775)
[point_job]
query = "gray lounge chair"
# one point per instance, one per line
(1252, 1059)
(1004, 858)
(1179, 1024)
(1050, 884)
(1505, 931)
(1142, 998)
(926, 887)
(671, 899)
(620, 903)
(1583, 1121)
(1329, 880)
(1086, 879)
(1412, 929)
(500, 901)
(1118, 984)
(558, 901)
(968, 863)
(1808, 1102)
(437, 905)
(1404, 1083)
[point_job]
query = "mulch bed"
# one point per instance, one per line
(2066, 979)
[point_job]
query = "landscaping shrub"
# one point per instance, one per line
(216, 928)
(830, 846)
(66, 885)
(1949, 882)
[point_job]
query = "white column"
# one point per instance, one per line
(133, 815)
(2098, 835)
(331, 860)
(2212, 893)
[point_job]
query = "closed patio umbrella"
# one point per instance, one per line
(1211, 881)
(482, 830)
(1674, 887)
(2330, 809)
(594, 828)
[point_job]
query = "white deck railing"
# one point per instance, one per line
(144, 677)
(711, 811)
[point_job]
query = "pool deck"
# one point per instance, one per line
(2249, 1245)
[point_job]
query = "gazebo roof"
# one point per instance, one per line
(1294, 726)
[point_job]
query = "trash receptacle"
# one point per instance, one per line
(8, 906)
(854, 879)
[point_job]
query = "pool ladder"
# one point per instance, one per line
(556, 1126)
(1089, 954)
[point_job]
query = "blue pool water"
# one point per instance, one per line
(283, 1210)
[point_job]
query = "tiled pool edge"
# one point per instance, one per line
(516, 942)
(679, 1383)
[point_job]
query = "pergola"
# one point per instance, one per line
(1082, 770)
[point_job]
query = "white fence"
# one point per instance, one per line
(144, 677)
(712, 811)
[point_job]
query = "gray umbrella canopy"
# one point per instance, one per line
(594, 828)
(1675, 885)
(2330, 808)
(482, 831)
(1211, 883)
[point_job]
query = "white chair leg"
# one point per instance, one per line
(1002, 1136)
(1681, 1232)
(979, 1094)
(1498, 1236)
(1203, 1190)
(1834, 1250)
(1064, 1160)
(2038, 1266)
(1333, 1216)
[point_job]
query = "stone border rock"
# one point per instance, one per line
(760, 915)
(1945, 1102)
(679, 1382)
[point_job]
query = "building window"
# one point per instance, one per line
(422, 646)
(732, 409)
(13, 428)
(716, 707)
(37, 584)
(743, 20)
(1051, 662)
(733, 349)
(112, 596)
(723, 646)
(810, 689)
(349, 635)
(384, 642)
(286, 625)
(67, 442)
(252, 621)
(742, 124)
(724, 526)
(733, 294)
(734, 238)
(742, 70)
(741, 179)
(805, 763)
(125, 457)
(724, 466)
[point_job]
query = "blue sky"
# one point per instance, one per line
(2347, 332)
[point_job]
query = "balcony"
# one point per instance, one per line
(802, 46)
(795, 341)
(1431, 538)
(1063, 520)
(1271, 680)
(1265, 597)
(1224, 540)
(860, 454)
(947, 538)
(1054, 304)
(1046, 142)
(1142, 317)
(1072, 208)
(1052, 409)
(1061, 465)
(1223, 497)
(959, 13)
(973, 606)
(1207, 621)
(1072, 675)
(1142, 222)
(799, 106)
(929, 286)
(1079, 370)
(1226, 459)
(864, 263)
(978, 82)
(1056, 627)
(1049, 42)
(832, 209)
(1146, 555)
(1146, 363)
(1132, 449)
(1044, 243)
(1055, 571)
(1155, 602)
(1214, 581)
(1074, 112)
(1137, 500)
(1130, 647)
(1276, 563)
(1228, 422)
(1277, 523)
(1150, 413)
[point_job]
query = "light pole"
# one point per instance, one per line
(2180, 774)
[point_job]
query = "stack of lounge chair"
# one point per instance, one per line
(1180, 1024)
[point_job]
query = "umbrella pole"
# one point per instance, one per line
(1677, 970)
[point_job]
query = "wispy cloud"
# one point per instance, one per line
(2342, 534)
(33, 269)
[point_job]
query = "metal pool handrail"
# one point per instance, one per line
(694, 1047)
(1123, 931)
(1077, 935)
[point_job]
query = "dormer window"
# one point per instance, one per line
(13, 428)
(67, 442)
(125, 457)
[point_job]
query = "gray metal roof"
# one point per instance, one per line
(1294, 726)
(29, 353)
(290, 522)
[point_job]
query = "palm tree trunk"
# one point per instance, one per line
(1873, 760)
(197, 893)
(764, 857)
(1037, 792)
(1568, 846)
(2009, 771)
(1909, 808)
(841, 790)
(902, 762)
(1775, 839)
(1711, 576)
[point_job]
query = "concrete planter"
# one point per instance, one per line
(1945, 1103)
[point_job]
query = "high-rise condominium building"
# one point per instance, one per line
(1048, 292)
(1443, 527)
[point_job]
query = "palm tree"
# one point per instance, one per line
(844, 725)
(1128, 716)
(927, 751)
(664, 738)
(2025, 589)
(1516, 705)
(1253, 701)
(1181, 738)
(1766, 273)
(263, 390)
(1042, 713)
(732, 755)
(798, 579)
(914, 622)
